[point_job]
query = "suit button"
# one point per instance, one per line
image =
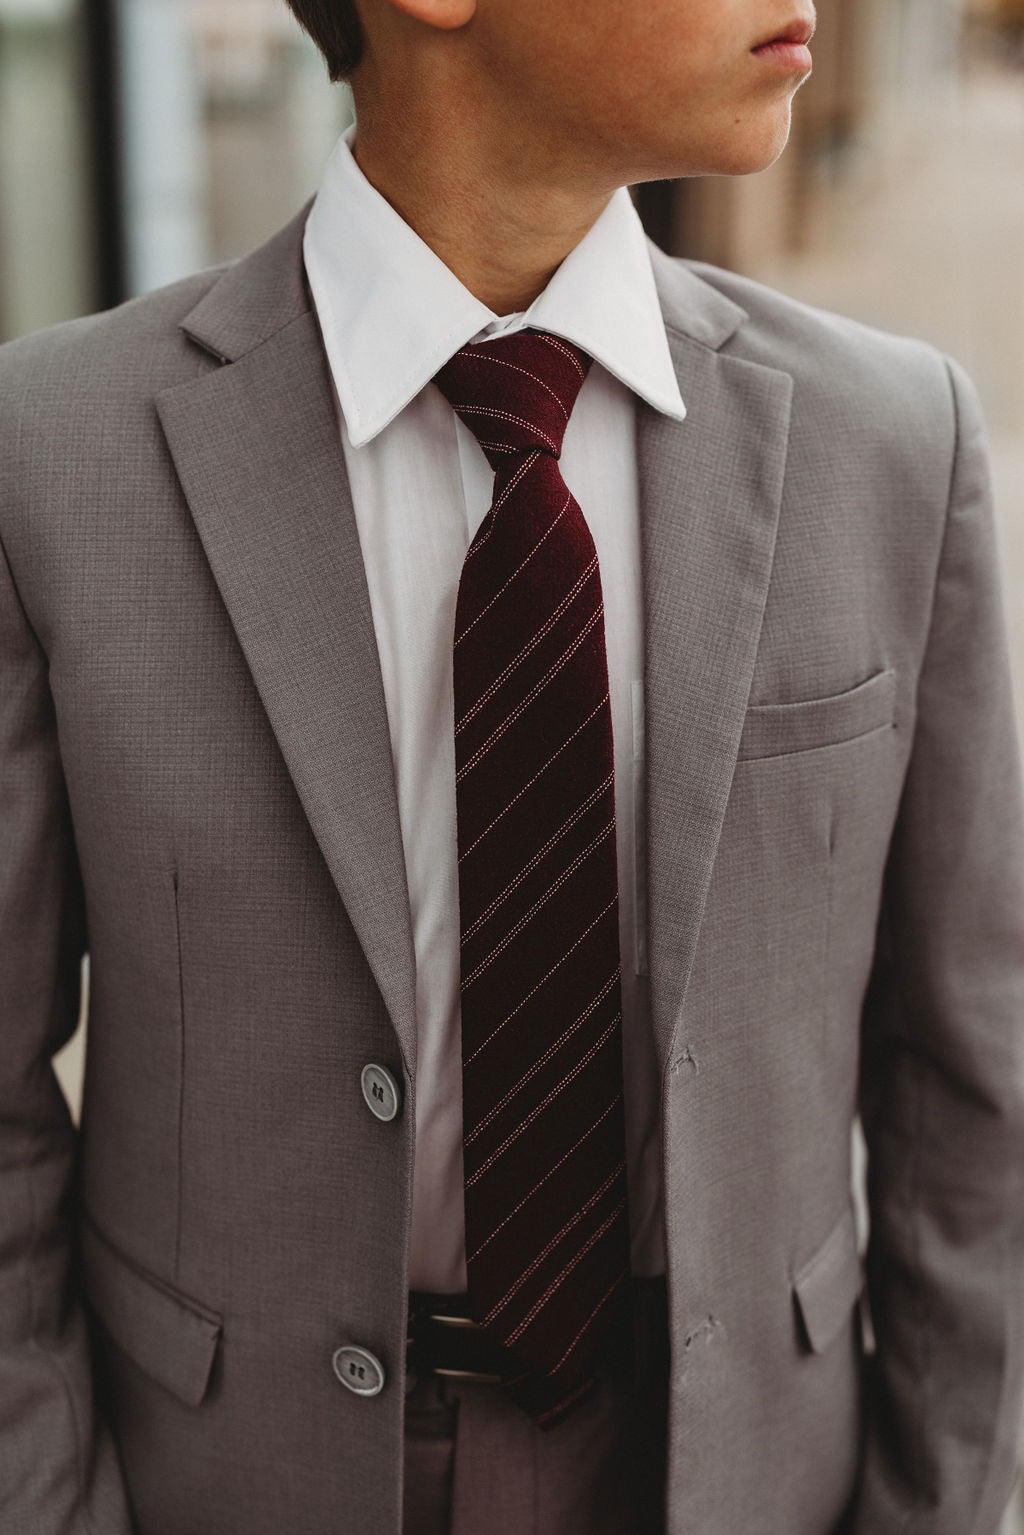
(381, 1091)
(358, 1369)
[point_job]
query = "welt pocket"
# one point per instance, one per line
(170, 1336)
(774, 730)
(826, 1287)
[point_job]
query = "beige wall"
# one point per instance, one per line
(875, 62)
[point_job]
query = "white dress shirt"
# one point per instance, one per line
(391, 314)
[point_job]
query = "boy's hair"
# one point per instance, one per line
(335, 27)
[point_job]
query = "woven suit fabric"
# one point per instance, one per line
(547, 1221)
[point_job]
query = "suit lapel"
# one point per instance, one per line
(256, 447)
(710, 492)
(257, 450)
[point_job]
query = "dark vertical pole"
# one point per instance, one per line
(103, 95)
(655, 205)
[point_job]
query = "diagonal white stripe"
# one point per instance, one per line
(467, 717)
(557, 965)
(542, 1060)
(537, 1306)
(484, 611)
(475, 354)
(549, 1412)
(534, 692)
(480, 540)
(537, 858)
(559, 347)
(539, 1185)
(517, 797)
(472, 1178)
(620, 1276)
(527, 918)
(507, 415)
(550, 1246)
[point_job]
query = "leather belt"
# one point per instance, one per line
(443, 1339)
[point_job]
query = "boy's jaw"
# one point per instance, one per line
(660, 89)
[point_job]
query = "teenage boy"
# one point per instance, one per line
(522, 727)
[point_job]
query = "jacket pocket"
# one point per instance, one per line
(168, 1335)
(827, 1286)
(774, 730)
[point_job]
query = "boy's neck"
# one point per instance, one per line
(500, 223)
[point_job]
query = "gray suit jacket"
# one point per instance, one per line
(196, 786)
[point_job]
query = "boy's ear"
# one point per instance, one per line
(446, 15)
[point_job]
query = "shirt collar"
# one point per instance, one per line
(392, 313)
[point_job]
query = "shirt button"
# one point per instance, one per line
(381, 1091)
(358, 1369)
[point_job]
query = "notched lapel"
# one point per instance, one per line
(256, 447)
(710, 492)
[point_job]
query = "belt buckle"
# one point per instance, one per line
(472, 1375)
(443, 1319)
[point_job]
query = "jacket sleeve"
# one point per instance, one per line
(59, 1473)
(943, 1065)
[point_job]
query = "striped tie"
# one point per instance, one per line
(547, 1226)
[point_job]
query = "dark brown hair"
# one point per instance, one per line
(335, 27)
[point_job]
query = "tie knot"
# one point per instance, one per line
(515, 393)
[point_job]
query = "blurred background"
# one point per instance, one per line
(143, 139)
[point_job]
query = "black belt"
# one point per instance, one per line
(443, 1339)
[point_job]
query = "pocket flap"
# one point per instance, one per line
(827, 1286)
(168, 1335)
(774, 730)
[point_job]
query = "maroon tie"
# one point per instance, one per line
(547, 1225)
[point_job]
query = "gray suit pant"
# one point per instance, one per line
(476, 1464)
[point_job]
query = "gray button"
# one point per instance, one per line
(358, 1369)
(381, 1091)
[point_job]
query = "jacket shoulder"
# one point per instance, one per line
(136, 347)
(77, 399)
(832, 358)
(887, 414)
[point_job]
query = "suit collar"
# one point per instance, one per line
(255, 297)
(692, 307)
(259, 294)
(392, 313)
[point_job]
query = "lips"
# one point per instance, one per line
(797, 34)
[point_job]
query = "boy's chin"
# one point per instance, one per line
(754, 149)
(739, 149)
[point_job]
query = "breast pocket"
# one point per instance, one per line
(776, 730)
